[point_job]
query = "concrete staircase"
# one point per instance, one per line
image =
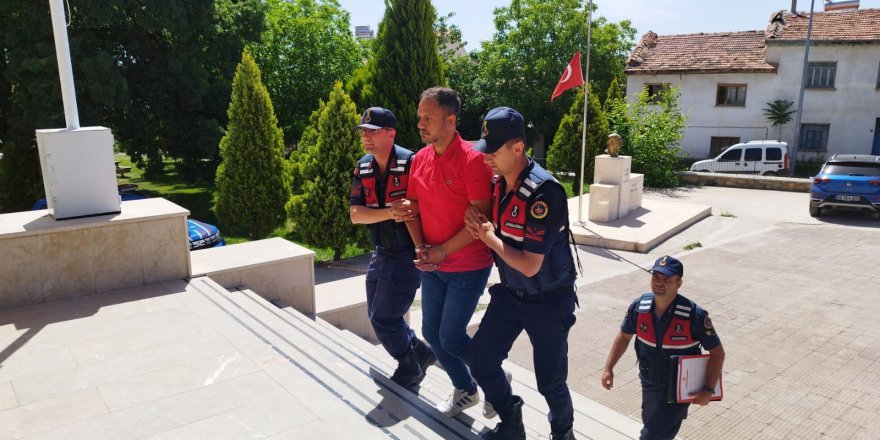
(346, 376)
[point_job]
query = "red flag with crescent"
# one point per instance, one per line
(571, 77)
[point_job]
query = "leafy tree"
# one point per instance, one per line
(306, 48)
(321, 211)
(779, 113)
(448, 37)
(405, 62)
(613, 94)
(252, 181)
(565, 153)
(157, 73)
(652, 129)
(533, 42)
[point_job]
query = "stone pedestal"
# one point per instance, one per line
(615, 192)
(45, 260)
(604, 202)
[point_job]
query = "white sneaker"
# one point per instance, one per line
(458, 401)
(488, 409)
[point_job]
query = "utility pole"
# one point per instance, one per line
(800, 107)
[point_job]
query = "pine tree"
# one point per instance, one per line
(405, 62)
(253, 183)
(565, 153)
(320, 213)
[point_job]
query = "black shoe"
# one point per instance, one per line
(567, 435)
(511, 425)
(408, 373)
(424, 355)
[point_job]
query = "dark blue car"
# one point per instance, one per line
(847, 181)
(201, 235)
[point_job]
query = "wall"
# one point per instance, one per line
(851, 108)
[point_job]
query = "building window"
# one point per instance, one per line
(654, 91)
(731, 94)
(720, 143)
(814, 136)
(878, 77)
(821, 75)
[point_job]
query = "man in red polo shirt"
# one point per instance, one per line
(447, 177)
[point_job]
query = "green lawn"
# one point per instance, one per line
(198, 198)
(571, 186)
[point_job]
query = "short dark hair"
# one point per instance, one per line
(445, 97)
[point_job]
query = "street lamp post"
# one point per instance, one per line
(800, 107)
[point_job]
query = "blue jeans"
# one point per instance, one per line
(448, 302)
(392, 280)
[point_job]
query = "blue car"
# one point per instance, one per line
(847, 181)
(201, 235)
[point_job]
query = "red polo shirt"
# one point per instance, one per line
(444, 186)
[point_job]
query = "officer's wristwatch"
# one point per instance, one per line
(710, 390)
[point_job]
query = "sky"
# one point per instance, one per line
(665, 17)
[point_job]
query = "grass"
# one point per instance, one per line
(571, 186)
(693, 245)
(198, 198)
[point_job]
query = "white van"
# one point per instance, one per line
(767, 158)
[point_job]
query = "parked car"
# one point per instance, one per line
(847, 181)
(767, 158)
(201, 235)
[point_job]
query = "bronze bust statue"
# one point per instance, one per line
(614, 144)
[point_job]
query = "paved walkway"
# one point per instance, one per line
(792, 298)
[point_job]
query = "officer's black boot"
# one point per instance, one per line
(408, 373)
(511, 425)
(567, 435)
(424, 354)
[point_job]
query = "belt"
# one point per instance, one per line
(544, 296)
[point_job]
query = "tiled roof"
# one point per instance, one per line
(858, 25)
(705, 53)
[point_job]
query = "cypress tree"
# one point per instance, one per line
(565, 152)
(405, 62)
(320, 213)
(253, 183)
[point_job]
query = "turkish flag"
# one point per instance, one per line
(571, 77)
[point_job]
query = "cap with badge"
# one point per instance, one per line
(376, 118)
(668, 266)
(501, 125)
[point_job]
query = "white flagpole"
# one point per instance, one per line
(586, 110)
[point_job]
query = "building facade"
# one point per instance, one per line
(726, 81)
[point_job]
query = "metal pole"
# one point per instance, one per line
(800, 109)
(586, 110)
(65, 68)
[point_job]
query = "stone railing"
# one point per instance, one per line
(745, 181)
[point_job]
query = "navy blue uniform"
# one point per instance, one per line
(533, 217)
(682, 329)
(392, 278)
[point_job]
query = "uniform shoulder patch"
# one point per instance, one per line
(539, 210)
(707, 323)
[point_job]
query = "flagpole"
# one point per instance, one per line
(586, 110)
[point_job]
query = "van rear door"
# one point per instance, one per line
(774, 160)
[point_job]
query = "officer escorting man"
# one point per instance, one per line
(665, 324)
(528, 234)
(380, 180)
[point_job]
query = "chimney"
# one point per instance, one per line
(794, 6)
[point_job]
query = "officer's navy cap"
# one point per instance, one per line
(668, 266)
(376, 118)
(501, 125)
